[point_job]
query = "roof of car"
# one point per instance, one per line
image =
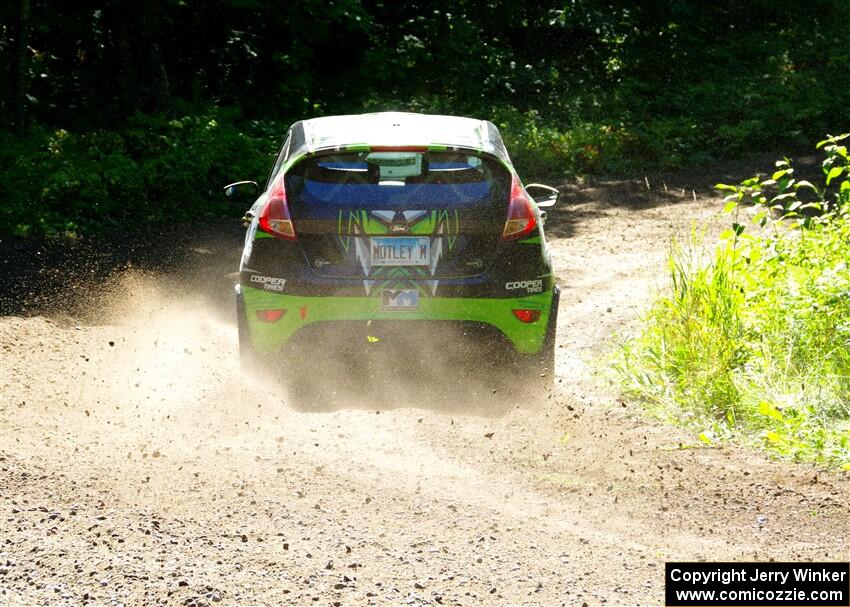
(393, 129)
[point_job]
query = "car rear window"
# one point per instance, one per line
(382, 179)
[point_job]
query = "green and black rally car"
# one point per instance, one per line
(375, 227)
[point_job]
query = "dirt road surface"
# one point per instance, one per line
(138, 466)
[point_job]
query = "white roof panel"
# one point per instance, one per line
(394, 129)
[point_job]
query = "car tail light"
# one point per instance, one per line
(521, 220)
(270, 315)
(527, 316)
(274, 217)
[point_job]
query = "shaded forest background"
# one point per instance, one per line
(140, 110)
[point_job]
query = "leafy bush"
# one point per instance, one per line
(538, 148)
(155, 169)
(756, 342)
(152, 171)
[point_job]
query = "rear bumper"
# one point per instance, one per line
(301, 312)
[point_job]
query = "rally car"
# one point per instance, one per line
(399, 229)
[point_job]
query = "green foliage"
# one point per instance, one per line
(755, 341)
(590, 86)
(581, 148)
(153, 171)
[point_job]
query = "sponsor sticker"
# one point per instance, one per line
(531, 286)
(270, 283)
(400, 299)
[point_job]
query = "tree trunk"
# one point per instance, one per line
(196, 52)
(152, 26)
(119, 23)
(19, 78)
(163, 87)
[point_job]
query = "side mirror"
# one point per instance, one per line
(242, 191)
(543, 195)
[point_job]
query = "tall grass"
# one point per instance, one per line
(754, 342)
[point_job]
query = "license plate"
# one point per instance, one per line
(400, 251)
(400, 299)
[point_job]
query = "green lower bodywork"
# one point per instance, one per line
(268, 338)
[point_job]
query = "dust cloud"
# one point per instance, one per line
(171, 346)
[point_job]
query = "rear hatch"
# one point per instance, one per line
(398, 213)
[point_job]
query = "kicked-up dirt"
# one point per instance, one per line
(139, 466)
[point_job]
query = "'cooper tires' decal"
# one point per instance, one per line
(269, 282)
(532, 286)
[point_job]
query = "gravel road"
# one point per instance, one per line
(138, 466)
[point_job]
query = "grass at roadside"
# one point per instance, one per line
(754, 343)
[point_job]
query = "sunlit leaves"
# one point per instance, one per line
(754, 342)
(833, 173)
